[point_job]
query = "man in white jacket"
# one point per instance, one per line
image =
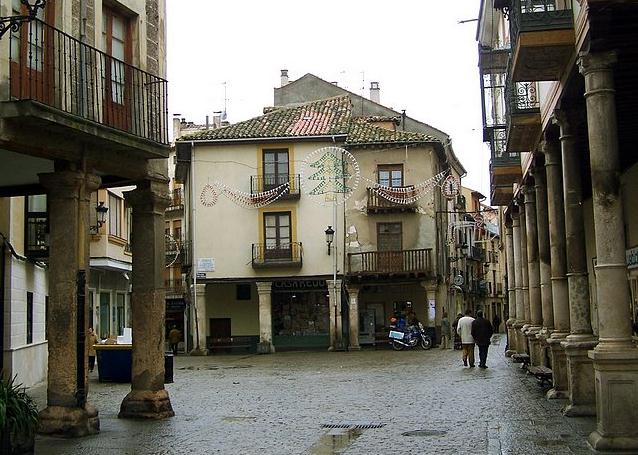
(464, 330)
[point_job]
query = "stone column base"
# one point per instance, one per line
(199, 352)
(511, 338)
(559, 368)
(616, 373)
(580, 375)
(146, 404)
(534, 346)
(521, 341)
(69, 422)
(265, 347)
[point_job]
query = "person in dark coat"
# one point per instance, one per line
(482, 333)
(496, 322)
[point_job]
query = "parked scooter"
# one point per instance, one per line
(408, 336)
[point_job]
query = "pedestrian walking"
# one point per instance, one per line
(445, 331)
(464, 329)
(496, 322)
(174, 337)
(482, 333)
(91, 341)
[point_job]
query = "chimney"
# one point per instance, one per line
(375, 92)
(177, 126)
(284, 78)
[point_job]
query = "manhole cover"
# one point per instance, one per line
(425, 433)
(354, 425)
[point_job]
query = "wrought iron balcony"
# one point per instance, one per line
(372, 263)
(259, 183)
(175, 287)
(178, 252)
(278, 255)
(53, 69)
(177, 200)
(477, 254)
(542, 36)
(378, 204)
(523, 114)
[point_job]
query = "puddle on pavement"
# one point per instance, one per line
(216, 367)
(335, 441)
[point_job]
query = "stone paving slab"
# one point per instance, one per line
(423, 402)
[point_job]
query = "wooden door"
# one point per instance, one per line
(32, 55)
(220, 328)
(390, 245)
(116, 36)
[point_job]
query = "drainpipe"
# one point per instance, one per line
(3, 252)
(193, 258)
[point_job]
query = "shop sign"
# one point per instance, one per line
(632, 257)
(175, 305)
(206, 265)
(201, 275)
(299, 285)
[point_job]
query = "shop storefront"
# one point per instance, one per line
(175, 311)
(300, 314)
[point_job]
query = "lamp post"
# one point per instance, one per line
(14, 23)
(330, 235)
(100, 218)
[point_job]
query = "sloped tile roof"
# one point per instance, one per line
(332, 116)
(318, 118)
(362, 133)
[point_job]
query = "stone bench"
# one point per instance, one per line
(522, 359)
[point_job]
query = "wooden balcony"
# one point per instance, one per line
(386, 264)
(285, 255)
(378, 204)
(505, 167)
(542, 34)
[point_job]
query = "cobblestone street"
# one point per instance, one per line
(421, 402)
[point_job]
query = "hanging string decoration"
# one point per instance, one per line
(209, 196)
(210, 193)
(331, 172)
(410, 194)
(172, 250)
(450, 187)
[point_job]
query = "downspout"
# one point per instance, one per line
(191, 228)
(3, 258)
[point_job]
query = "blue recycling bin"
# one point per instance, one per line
(114, 362)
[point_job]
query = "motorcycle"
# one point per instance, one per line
(409, 337)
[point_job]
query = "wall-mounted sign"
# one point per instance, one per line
(632, 257)
(205, 265)
(201, 275)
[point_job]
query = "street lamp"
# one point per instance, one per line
(14, 23)
(100, 218)
(330, 235)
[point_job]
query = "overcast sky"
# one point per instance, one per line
(423, 59)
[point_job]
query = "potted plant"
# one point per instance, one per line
(18, 418)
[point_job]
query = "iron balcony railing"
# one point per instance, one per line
(277, 255)
(477, 253)
(520, 97)
(259, 183)
(383, 262)
(497, 138)
(174, 286)
(55, 69)
(539, 15)
(177, 199)
(377, 203)
(178, 251)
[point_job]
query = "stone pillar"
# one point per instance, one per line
(200, 321)
(518, 278)
(264, 289)
(615, 357)
(353, 316)
(511, 288)
(580, 369)
(67, 413)
(525, 320)
(148, 399)
(533, 269)
(560, 299)
(542, 218)
(336, 329)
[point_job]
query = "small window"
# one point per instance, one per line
(46, 317)
(391, 175)
(29, 317)
(115, 215)
(243, 292)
